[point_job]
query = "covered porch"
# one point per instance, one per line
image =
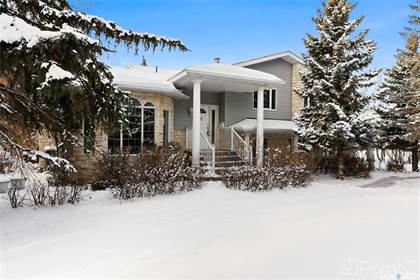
(217, 78)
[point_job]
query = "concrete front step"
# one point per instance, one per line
(225, 159)
(222, 164)
(218, 153)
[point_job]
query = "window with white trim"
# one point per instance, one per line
(270, 99)
(139, 133)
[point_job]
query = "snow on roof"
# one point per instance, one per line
(251, 124)
(286, 55)
(229, 71)
(136, 77)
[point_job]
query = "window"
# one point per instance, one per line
(140, 131)
(165, 127)
(269, 102)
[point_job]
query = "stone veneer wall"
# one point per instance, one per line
(85, 162)
(179, 137)
(274, 140)
(297, 101)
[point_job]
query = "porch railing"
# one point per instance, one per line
(212, 150)
(207, 151)
(240, 146)
(228, 139)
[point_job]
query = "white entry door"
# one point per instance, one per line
(209, 123)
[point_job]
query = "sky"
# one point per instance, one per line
(235, 30)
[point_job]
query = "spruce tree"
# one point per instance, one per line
(332, 80)
(399, 97)
(51, 77)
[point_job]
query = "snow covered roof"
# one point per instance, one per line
(143, 78)
(228, 71)
(269, 125)
(286, 55)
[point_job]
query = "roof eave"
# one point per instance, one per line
(177, 94)
(202, 74)
(293, 57)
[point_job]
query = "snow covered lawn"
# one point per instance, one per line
(325, 231)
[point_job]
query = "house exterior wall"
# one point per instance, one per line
(239, 106)
(283, 70)
(234, 106)
(84, 162)
(183, 117)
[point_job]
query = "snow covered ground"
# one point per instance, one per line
(329, 230)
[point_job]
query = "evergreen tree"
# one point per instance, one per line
(332, 81)
(51, 78)
(399, 94)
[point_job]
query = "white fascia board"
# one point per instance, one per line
(177, 94)
(178, 76)
(247, 80)
(292, 56)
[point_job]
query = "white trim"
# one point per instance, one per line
(287, 55)
(260, 128)
(246, 79)
(196, 123)
(176, 94)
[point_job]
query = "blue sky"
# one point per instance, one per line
(238, 29)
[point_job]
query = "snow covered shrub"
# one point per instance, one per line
(158, 170)
(56, 187)
(39, 194)
(281, 168)
(113, 170)
(167, 170)
(64, 187)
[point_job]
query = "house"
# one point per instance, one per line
(240, 108)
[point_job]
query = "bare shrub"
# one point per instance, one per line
(281, 168)
(159, 170)
(16, 197)
(65, 187)
(39, 194)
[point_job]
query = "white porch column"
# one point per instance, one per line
(196, 122)
(260, 128)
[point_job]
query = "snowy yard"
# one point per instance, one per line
(329, 230)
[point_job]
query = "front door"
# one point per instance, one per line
(209, 123)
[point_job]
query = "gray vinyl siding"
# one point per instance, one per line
(240, 106)
(235, 106)
(283, 70)
(182, 116)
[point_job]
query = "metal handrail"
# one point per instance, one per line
(213, 152)
(246, 153)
